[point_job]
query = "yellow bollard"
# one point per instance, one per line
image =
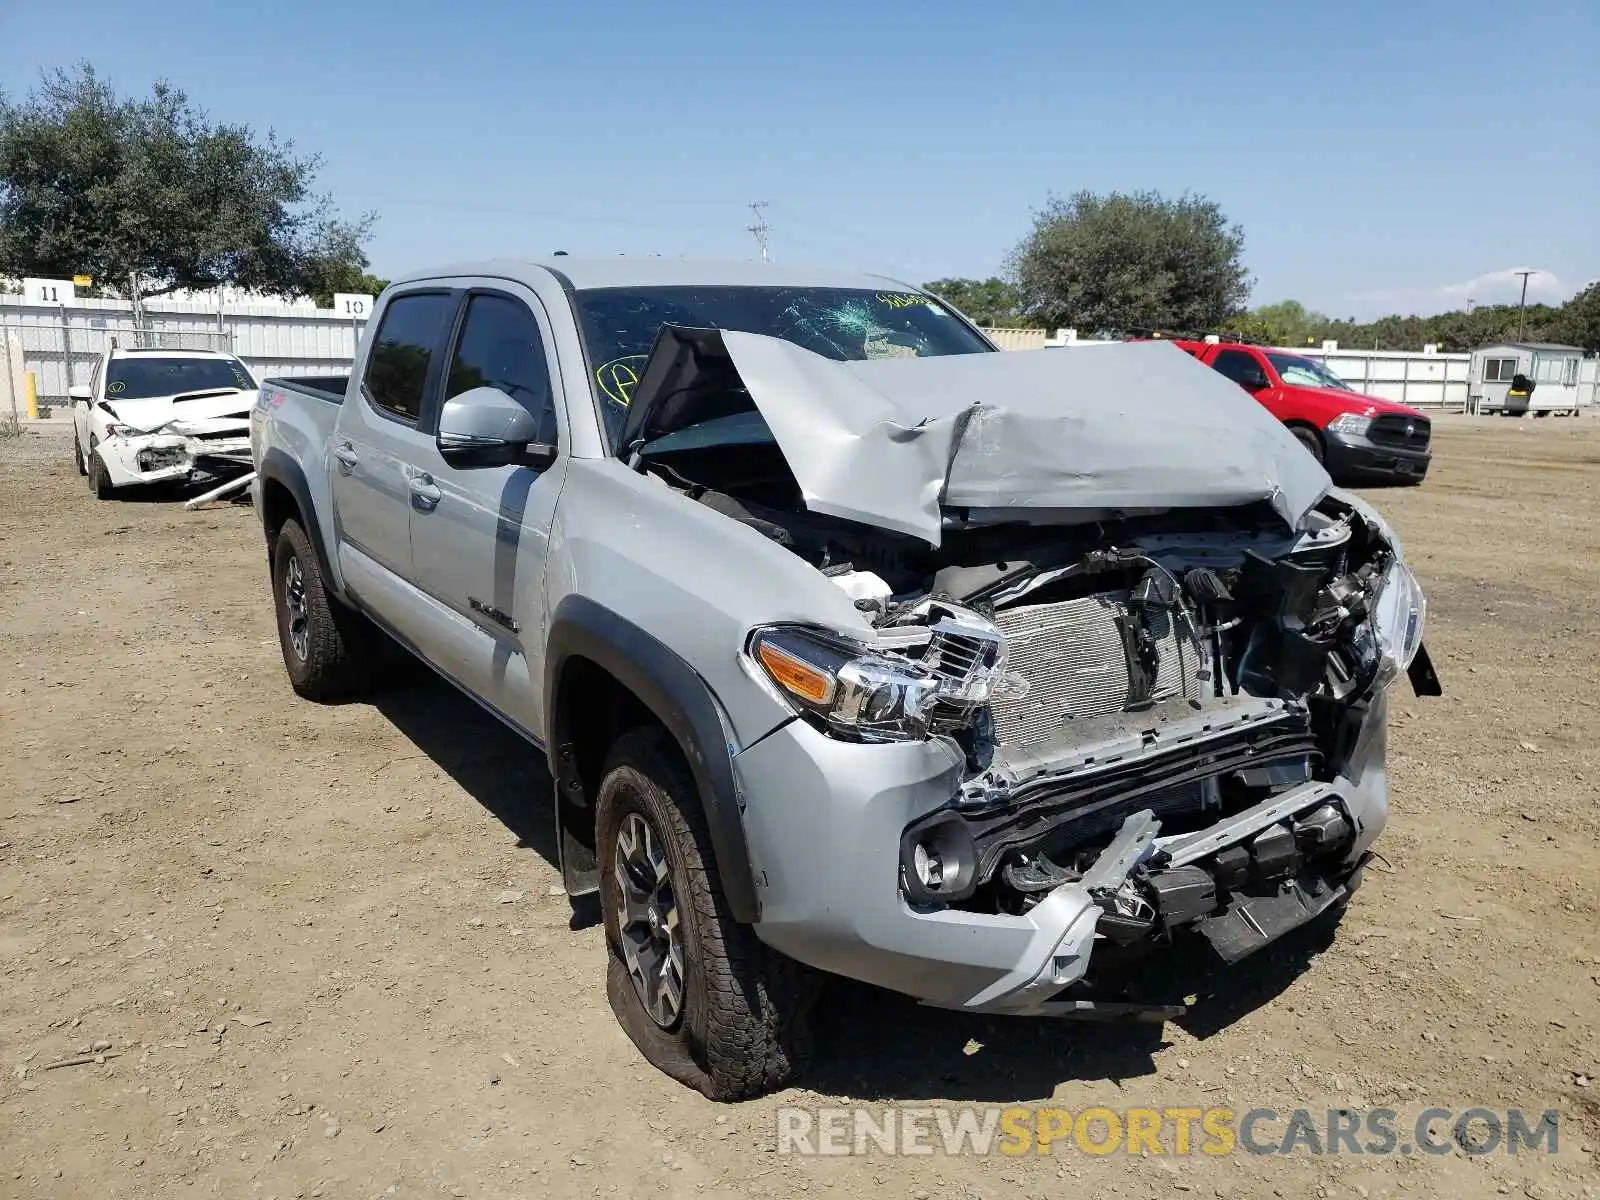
(30, 385)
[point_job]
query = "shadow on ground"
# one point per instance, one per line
(497, 767)
(175, 493)
(876, 1045)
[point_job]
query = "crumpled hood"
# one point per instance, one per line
(896, 442)
(204, 411)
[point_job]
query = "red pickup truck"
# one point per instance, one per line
(1359, 438)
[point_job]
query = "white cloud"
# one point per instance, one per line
(1492, 287)
(1505, 287)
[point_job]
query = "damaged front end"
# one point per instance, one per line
(207, 449)
(1164, 728)
(1168, 718)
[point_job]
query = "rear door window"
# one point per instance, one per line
(412, 330)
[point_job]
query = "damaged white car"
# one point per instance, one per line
(162, 416)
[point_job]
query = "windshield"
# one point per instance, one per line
(1302, 372)
(140, 378)
(620, 325)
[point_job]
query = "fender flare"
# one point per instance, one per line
(679, 698)
(277, 467)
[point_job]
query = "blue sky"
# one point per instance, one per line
(1380, 156)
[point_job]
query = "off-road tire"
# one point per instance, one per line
(744, 1027)
(99, 478)
(1309, 438)
(77, 455)
(341, 644)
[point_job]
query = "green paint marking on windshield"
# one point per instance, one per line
(619, 377)
(905, 300)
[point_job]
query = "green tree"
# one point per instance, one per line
(343, 277)
(1459, 330)
(1286, 323)
(1126, 262)
(149, 196)
(1579, 322)
(992, 301)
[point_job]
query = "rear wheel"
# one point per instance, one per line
(699, 994)
(328, 649)
(1309, 438)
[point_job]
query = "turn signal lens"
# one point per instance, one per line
(795, 675)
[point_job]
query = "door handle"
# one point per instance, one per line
(424, 491)
(347, 456)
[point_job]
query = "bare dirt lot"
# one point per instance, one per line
(323, 953)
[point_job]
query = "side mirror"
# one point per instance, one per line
(1256, 380)
(484, 427)
(80, 391)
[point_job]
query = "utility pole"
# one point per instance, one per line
(761, 229)
(1523, 303)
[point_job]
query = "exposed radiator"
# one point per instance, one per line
(1072, 655)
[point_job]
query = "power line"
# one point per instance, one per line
(761, 229)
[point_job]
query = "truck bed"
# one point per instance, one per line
(328, 388)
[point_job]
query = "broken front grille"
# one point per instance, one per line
(1075, 659)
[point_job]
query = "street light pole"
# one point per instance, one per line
(1523, 303)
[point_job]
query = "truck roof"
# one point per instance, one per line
(630, 271)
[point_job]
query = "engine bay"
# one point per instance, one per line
(1192, 663)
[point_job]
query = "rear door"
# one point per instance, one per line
(375, 443)
(479, 535)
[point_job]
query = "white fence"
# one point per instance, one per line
(1405, 377)
(59, 345)
(1415, 378)
(1021, 339)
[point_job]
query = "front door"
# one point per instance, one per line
(375, 442)
(479, 535)
(1248, 369)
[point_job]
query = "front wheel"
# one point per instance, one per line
(700, 996)
(99, 478)
(78, 458)
(1309, 438)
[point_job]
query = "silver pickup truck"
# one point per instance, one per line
(855, 646)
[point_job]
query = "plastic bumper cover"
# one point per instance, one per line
(824, 820)
(162, 457)
(1351, 456)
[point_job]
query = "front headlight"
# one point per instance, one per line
(1398, 613)
(1351, 424)
(937, 683)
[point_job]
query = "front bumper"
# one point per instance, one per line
(824, 821)
(171, 457)
(1355, 457)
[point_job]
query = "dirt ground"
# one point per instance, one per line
(324, 954)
